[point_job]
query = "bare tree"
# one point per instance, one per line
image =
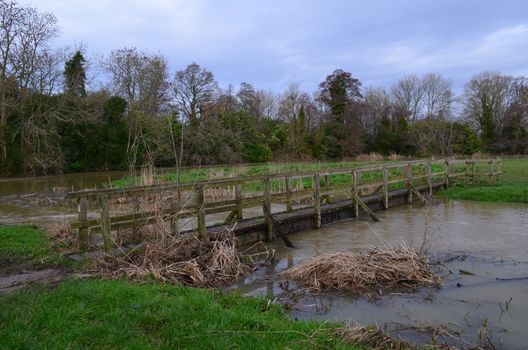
(377, 105)
(486, 99)
(194, 90)
(407, 94)
(141, 78)
(24, 36)
(296, 108)
(437, 96)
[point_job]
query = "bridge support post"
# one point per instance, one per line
(238, 197)
(105, 224)
(446, 176)
(317, 200)
(268, 236)
(200, 215)
(429, 171)
(82, 210)
(408, 176)
(385, 188)
(287, 181)
(355, 192)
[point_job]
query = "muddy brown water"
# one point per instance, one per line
(489, 240)
(17, 206)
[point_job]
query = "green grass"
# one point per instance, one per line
(94, 314)
(26, 247)
(512, 187)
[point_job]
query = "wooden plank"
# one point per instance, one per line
(238, 197)
(355, 191)
(266, 208)
(289, 206)
(105, 225)
(408, 182)
(200, 214)
(317, 200)
(430, 177)
(82, 210)
(385, 189)
(365, 207)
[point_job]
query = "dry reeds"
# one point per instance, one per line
(184, 260)
(371, 337)
(392, 267)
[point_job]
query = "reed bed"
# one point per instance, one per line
(183, 260)
(372, 337)
(392, 267)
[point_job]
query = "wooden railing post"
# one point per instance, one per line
(105, 224)
(385, 188)
(200, 214)
(355, 189)
(289, 206)
(408, 176)
(499, 170)
(238, 197)
(446, 176)
(82, 210)
(266, 206)
(326, 180)
(430, 176)
(317, 200)
(491, 172)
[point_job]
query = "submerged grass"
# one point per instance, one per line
(512, 187)
(27, 247)
(93, 314)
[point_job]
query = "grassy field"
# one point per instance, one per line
(94, 314)
(512, 187)
(25, 247)
(198, 174)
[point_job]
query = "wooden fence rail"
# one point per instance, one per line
(189, 200)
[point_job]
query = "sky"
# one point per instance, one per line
(273, 43)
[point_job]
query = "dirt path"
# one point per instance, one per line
(17, 281)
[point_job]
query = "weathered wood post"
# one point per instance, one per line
(355, 189)
(499, 170)
(326, 180)
(446, 176)
(429, 171)
(200, 214)
(317, 200)
(266, 207)
(491, 171)
(289, 206)
(408, 176)
(238, 197)
(385, 188)
(105, 224)
(82, 210)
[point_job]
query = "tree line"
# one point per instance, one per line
(52, 122)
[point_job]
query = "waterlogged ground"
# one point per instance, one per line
(488, 240)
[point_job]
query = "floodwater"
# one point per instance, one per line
(489, 240)
(32, 199)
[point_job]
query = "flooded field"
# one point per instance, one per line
(482, 247)
(484, 297)
(34, 199)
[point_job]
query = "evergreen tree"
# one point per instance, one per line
(75, 76)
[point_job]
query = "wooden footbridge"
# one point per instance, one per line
(279, 203)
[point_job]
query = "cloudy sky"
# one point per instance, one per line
(272, 43)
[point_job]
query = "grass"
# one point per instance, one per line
(198, 174)
(95, 314)
(512, 187)
(26, 247)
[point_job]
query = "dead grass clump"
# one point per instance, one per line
(184, 260)
(392, 267)
(371, 337)
(373, 156)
